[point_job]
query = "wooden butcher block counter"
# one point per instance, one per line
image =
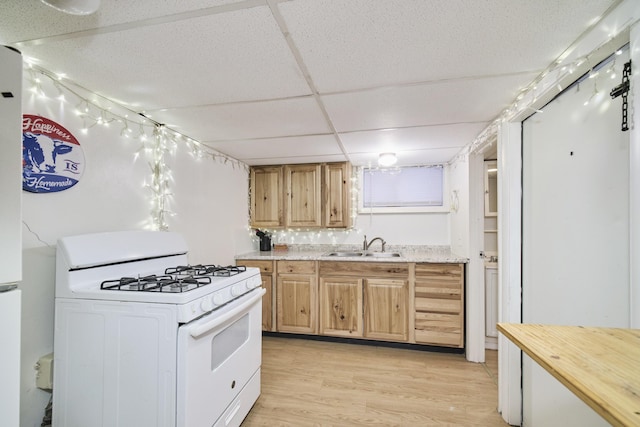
(600, 365)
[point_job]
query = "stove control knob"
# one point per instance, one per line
(257, 281)
(236, 290)
(206, 305)
(218, 299)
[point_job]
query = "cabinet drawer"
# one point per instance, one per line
(440, 272)
(264, 266)
(365, 269)
(439, 338)
(296, 267)
(438, 289)
(438, 305)
(437, 328)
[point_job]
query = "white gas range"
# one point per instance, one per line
(142, 338)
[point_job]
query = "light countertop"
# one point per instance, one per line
(432, 254)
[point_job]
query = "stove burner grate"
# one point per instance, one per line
(204, 270)
(155, 283)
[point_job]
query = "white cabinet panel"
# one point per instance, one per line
(10, 358)
(10, 165)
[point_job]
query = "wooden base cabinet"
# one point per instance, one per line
(439, 304)
(297, 299)
(266, 273)
(364, 300)
(341, 307)
(386, 309)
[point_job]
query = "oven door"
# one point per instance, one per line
(218, 355)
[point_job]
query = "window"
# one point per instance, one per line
(405, 189)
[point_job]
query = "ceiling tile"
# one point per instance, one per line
(460, 101)
(239, 55)
(409, 158)
(311, 147)
(50, 22)
(295, 116)
(410, 139)
(351, 44)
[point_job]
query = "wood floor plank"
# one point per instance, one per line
(315, 383)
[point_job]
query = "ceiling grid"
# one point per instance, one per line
(299, 81)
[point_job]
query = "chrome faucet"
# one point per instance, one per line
(365, 245)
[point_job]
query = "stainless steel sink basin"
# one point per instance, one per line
(382, 254)
(345, 254)
(369, 254)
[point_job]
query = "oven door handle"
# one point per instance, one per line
(200, 330)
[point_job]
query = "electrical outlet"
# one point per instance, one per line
(44, 372)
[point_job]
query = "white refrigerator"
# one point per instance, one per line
(10, 233)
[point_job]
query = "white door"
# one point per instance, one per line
(575, 254)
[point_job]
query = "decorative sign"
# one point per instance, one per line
(52, 159)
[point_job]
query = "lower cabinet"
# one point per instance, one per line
(266, 273)
(341, 307)
(297, 299)
(364, 300)
(386, 311)
(439, 304)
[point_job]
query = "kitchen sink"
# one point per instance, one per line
(382, 254)
(369, 254)
(345, 254)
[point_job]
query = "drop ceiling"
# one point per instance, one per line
(277, 81)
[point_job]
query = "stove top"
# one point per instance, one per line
(144, 268)
(182, 278)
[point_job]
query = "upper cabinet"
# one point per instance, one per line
(302, 198)
(337, 195)
(305, 195)
(266, 196)
(491, 188)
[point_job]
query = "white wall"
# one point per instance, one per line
(210, 203)
(459, 182)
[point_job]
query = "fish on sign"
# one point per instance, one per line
(52, 159)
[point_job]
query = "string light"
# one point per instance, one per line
(529, 92)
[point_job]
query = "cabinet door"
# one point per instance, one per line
(337, 199)
(267, 303)
(266, 196)
(491, 188)
(341, 307)
(296, 303)
(491, 301)
(266, 274)
(386, 309)
(302, 201)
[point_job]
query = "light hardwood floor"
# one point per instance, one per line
(315, 383)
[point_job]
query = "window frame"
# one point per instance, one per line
(445, 208)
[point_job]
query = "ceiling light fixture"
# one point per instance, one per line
(74, 7)
(387, 159)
